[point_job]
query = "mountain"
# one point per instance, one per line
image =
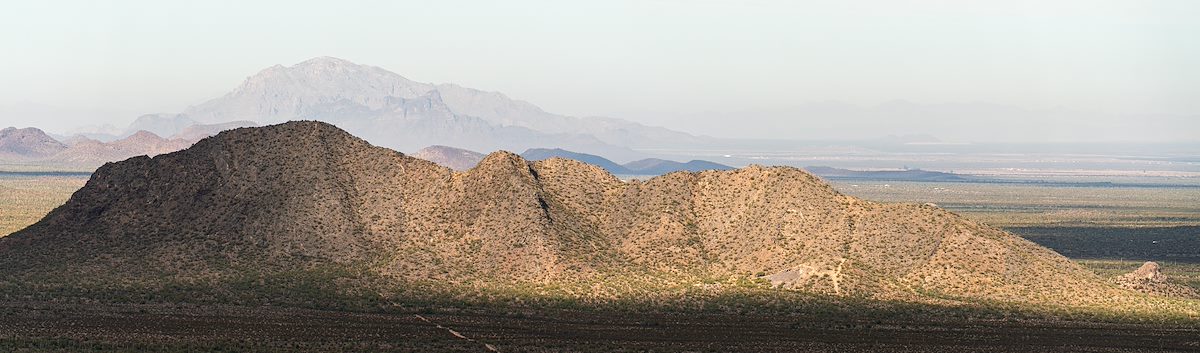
(450, 157)
(655, 166)
(391, 110)
(538, 154)
(27, 143)
(309, 207)
(897, 175)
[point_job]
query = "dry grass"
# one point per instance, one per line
(24, 199)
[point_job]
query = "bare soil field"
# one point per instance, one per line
(52, 328)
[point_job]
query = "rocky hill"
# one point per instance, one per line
(1149, 279)
(252, 205)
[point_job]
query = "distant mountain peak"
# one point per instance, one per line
(326, 61)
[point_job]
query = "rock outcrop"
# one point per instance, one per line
(1149, 279)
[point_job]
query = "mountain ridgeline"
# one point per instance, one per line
(244, 208)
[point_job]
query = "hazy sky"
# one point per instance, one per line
(658, 62)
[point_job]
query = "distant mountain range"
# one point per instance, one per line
(80, 152)
(392, 111)
(461, 159)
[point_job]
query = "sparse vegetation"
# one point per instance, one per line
(26, 197)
